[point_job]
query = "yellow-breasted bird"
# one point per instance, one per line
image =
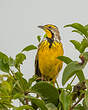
(47, 66)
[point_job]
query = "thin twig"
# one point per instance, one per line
(77, 102)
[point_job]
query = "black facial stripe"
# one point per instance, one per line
(50, 40)
(52, 34)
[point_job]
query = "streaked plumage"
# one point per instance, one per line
(46, 64)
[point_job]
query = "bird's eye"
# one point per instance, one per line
(50, 27)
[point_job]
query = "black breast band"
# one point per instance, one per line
(50, 40)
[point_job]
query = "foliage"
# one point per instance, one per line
(42, 95)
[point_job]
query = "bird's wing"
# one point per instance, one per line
(37, 70)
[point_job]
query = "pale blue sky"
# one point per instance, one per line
(19, 20)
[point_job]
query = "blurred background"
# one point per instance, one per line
(18, 26)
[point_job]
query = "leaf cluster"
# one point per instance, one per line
(42, 95)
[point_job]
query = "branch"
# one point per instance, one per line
(26, 99)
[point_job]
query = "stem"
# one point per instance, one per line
(12, 73)
(26, 99)
(57, 83)
(82, 59)
(22, 101)
(18, 68)
(72, 80)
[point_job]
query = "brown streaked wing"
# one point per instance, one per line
(37, 70)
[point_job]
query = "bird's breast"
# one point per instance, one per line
(48, 62)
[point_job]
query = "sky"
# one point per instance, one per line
(18, 26)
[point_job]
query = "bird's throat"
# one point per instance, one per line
(49, 33)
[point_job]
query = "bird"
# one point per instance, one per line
(47, 64)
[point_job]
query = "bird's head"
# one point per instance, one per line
(51, 31)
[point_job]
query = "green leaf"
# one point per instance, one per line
(23, 107)
(30, 47)
(80, 75)
(38, 38)
(66, 100)
(86, 82)
(86, 98)
(84, 45)
(17, 95)
(86, 94)
(5, 90)
(45, 35)
(79, 107)
(39, 103)
(78, 32)
(78, 27)
(5, 104)
(70, 70)
(19, 59)
(45, 90)
(65, 59)
(22, 82)
(84, 105)
(17, 88)
(86, 27)
(80, 46)
(11, 61)
(31, 80)
(6, 86)
(3, 57)
(85, 56)
(4, 62)
(4, 66)
(76, 44)
(2, 107)
(51, 106)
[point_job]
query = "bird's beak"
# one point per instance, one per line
(42, 27)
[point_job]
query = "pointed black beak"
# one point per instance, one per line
(42, 27)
